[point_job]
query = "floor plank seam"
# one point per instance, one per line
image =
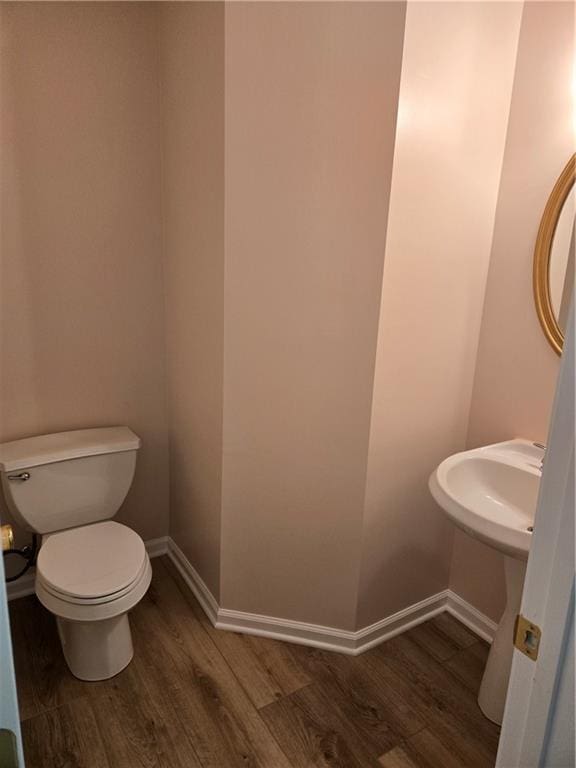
(287, 696)
(176, 578)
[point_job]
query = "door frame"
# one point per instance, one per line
(548, 598)
(9, 716)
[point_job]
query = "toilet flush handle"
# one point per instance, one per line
(21, 477)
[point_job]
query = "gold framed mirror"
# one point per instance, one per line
(554, 257)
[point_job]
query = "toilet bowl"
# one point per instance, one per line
(89, 578)
(90, 570)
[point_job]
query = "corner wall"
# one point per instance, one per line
(311, 99)
(296, 488)
(516, 368)
(447, 162)
(80, 219)
(192, 67)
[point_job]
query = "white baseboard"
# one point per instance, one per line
(157, 547)
(25, 584)
(193, 581)
(480, 624)
(329, 638)
(388, 627)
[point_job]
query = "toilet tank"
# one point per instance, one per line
(68, 479)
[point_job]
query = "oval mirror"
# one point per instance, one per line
(554, 257)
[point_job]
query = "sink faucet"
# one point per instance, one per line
(543, 447)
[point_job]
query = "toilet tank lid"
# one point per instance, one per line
(48, 449)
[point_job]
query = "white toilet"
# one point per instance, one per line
(90, 570)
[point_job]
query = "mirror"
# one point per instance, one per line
(554, 257)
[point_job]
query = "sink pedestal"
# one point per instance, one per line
(491, 493)
(492, 695)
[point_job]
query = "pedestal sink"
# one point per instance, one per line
(491, 494)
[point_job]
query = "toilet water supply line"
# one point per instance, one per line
(28, 552)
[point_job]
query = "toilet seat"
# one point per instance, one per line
(94, 572)
(94, 562)
(87, 611)
(98, 600)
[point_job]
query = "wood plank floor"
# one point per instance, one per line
(196, 697)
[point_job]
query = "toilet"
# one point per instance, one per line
(90, 570)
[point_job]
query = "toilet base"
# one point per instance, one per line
(96, 650)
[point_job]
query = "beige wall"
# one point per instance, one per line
(516, 368)
(192, 59)
(447, 161)
(311, 95)
(81, 324)
(310, 393)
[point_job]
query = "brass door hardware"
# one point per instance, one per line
(527, 637)
(8, 748)
(7, 537)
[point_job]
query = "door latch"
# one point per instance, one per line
(8, 749)
(527, 637)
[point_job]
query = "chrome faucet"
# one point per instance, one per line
(543, 447)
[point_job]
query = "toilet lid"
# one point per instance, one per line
(91, 561)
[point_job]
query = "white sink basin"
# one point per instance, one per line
(491, 493)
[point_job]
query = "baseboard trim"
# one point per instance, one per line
(328, 638)
(299, 632)
(399, 622)
(315, 635)
(157, 547)
(193, 581)
(476, 621)
(24, 586)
